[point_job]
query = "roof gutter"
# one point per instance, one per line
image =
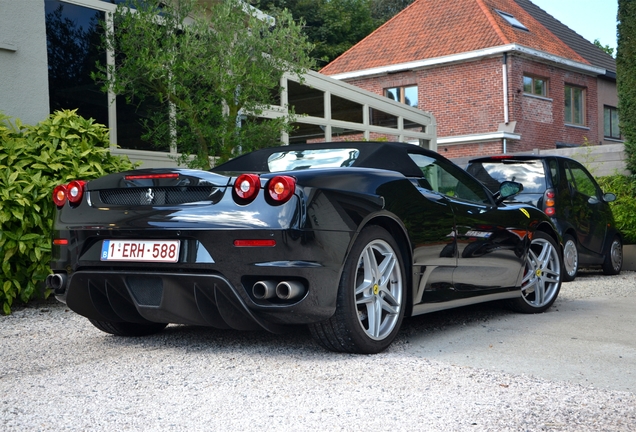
(475, 55)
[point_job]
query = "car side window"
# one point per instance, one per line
(554, 172)
(582, 181)
(450, 180)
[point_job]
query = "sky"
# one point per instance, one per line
(592, 19)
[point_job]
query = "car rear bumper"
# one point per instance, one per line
(188, 298)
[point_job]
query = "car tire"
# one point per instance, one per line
(542, 275)
(128, 328)
(570, 258)
(371, 297)
(613, 262)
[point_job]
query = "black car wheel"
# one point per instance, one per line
(371, 297)
(570, 258)
(542, 275)
(613, 262)
(127, 328)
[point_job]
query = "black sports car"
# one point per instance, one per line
(348, 238)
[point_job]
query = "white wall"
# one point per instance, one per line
(23, 60)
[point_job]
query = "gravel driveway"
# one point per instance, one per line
(474, 369)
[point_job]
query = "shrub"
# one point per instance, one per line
(33, 160)
(624, 208)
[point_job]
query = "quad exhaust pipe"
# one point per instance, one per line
(56, 282)
(285, 290)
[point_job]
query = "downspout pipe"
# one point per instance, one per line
(505, 93)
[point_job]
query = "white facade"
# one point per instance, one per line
(23, 66)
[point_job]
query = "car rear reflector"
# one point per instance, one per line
(60, 242)
(151, 176)
(255, 243)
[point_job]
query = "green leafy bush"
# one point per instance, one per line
(33, 160)
(624, 208)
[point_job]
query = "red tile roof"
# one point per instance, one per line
(434, 28)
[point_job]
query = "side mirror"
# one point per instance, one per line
(609, 197)
(506, 190)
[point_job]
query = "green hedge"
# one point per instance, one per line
(33, 160)
(624, 208)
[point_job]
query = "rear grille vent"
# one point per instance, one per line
(157, 195)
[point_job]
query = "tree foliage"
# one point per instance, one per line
(334, 26)
(626, 77)
(213, 67)
(33, 160)
(608, 49)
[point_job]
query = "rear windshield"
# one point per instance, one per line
(530, 173)
(305, 159)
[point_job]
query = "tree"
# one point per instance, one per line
(213, 67)
(608, 49)
(626, 77)
(384, 10)
(333, 26)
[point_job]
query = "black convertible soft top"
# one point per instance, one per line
(392, 156)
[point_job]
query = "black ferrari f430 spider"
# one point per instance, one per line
(348, 238)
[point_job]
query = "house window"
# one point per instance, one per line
(512, 20)
(610, 123)
(574, 105)
(535, 86)
(406, 95)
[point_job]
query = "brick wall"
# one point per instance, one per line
(467, 98)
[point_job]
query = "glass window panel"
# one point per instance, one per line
(306, 100)
(410, 96)
(306, 159)
(568, 104)
(73, 35)
(607, 125)
(380, 118)
(346, 110)
(539, 87)
(577, 105)
(393, 94)
(616, 133)
(527, 84)
(304, 133)
(583, 182)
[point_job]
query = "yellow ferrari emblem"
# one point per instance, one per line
(376, 289)
(525, 212)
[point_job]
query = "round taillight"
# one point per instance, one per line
(550, 211)
(281, 188)
(247, 186)
(59, 195)
(549, 202)
(550, 194)
(75, 191)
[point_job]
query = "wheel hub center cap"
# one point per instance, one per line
(538, 272)
(376, 289)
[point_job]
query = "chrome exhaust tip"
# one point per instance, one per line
(290, 290)
(263, 290)
(56, 282)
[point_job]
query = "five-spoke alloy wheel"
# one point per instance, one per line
(371, 297)
(542, 275)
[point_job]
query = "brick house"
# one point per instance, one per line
(498, 75)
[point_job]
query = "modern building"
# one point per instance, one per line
(498, 75)
(48, 49)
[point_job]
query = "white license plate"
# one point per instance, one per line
(140, 250)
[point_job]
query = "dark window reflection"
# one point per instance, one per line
(73, 36)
